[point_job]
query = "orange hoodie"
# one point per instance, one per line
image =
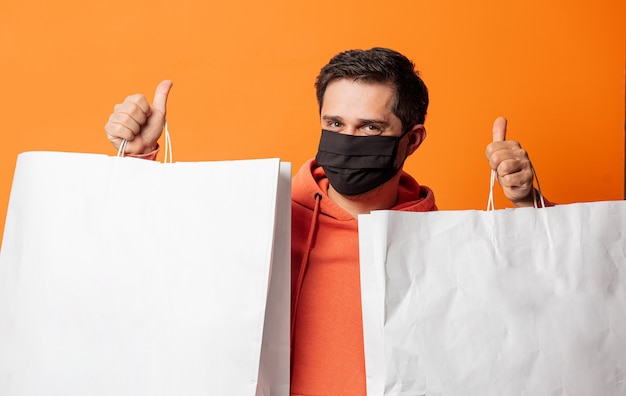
(327, 328)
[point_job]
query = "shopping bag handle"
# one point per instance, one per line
(490, 204)
(168, 147)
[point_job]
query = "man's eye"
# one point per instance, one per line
(334, 124)
(371, 130)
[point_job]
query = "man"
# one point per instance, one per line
(372, 109)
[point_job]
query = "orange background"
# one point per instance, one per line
(243, 77)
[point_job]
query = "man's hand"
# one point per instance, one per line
(140, 123)
(512, 166)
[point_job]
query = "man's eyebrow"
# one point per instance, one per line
(332, 118)
(379, 122)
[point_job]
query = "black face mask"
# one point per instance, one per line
(357, 164)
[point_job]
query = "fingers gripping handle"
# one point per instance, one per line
(499, 135)
(168, 156)
(490, 202)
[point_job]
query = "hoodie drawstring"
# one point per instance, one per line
(304, 263)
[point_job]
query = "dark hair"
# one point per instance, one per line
(380, 65)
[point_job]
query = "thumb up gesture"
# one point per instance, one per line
(512, 165)
(138, 121)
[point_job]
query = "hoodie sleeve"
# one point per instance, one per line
(149, 156)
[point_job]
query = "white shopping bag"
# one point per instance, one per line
(121, 276)
(508, 302)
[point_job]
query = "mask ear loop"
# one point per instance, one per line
(398, 167)
(490, 202)
(121, 151)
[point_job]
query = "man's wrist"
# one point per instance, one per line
(534, 199)
(149, 154)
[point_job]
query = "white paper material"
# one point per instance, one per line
(274, 373)
(132, 277)
(511, 302)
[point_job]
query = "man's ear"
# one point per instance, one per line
(416, 136)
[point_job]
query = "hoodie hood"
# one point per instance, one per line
(311, 180)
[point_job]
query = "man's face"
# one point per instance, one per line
(360, 108)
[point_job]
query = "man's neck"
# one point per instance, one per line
(380, 198)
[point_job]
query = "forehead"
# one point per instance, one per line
(346, 98)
